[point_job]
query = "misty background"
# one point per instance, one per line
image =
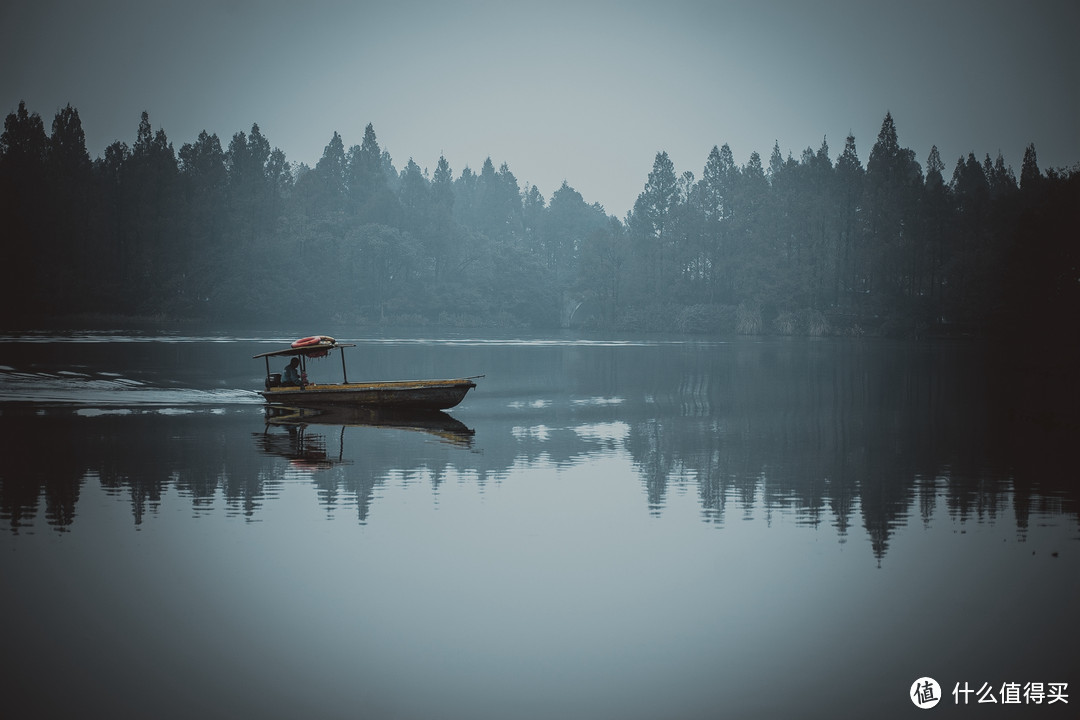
(582, 92)
(706, 167)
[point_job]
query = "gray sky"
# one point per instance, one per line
(586, 92)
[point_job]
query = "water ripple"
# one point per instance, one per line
(109, 390)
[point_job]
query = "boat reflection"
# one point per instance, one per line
(304, 451)
(299, 445)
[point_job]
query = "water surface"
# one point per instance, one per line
(604, 528)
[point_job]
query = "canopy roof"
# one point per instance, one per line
(316, 349)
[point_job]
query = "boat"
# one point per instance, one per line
(390, 395)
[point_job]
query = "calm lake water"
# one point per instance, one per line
(632, 528)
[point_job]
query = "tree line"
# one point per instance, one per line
(808, 246)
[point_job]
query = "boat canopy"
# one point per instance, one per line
(316, 346)
(307, 350)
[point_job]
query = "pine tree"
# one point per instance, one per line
(893, 182)
(24, 207)
(365, 175)
(329, 175)
(850, 177)
(934, 169)
(1030, 176)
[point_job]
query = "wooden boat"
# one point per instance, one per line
(397, 394)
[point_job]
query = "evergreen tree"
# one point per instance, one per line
(660, 195)
(604, 254)
(510, 198)
(205, 181)
(366, 177)
(415, 198)
(718, 182)
(1029, 171)
(23, 203)
(444, 238)
(466, 192)
(496, 211)
(533, 208)
(971, 191)
(753, 202)
(23, 143)
(70, 232)
(244, 176)
(68, 158)
(850, 177)
(279, 176)
(569, 220)
(152, 252)
(442, 186)
(893, 183)
(822, 228)
(970, 185)
(716, 192)
(934, 169)
(108, 172)
(776, 161)
(323, 189)
(936, 223)
(649, 221)
(1002, 179)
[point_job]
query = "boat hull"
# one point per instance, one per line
(400, 395)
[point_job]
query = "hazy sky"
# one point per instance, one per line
(586, 92)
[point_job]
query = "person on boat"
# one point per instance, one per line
(291, 376)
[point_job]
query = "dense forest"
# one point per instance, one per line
(808, 246)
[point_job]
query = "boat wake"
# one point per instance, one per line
(107, 390)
